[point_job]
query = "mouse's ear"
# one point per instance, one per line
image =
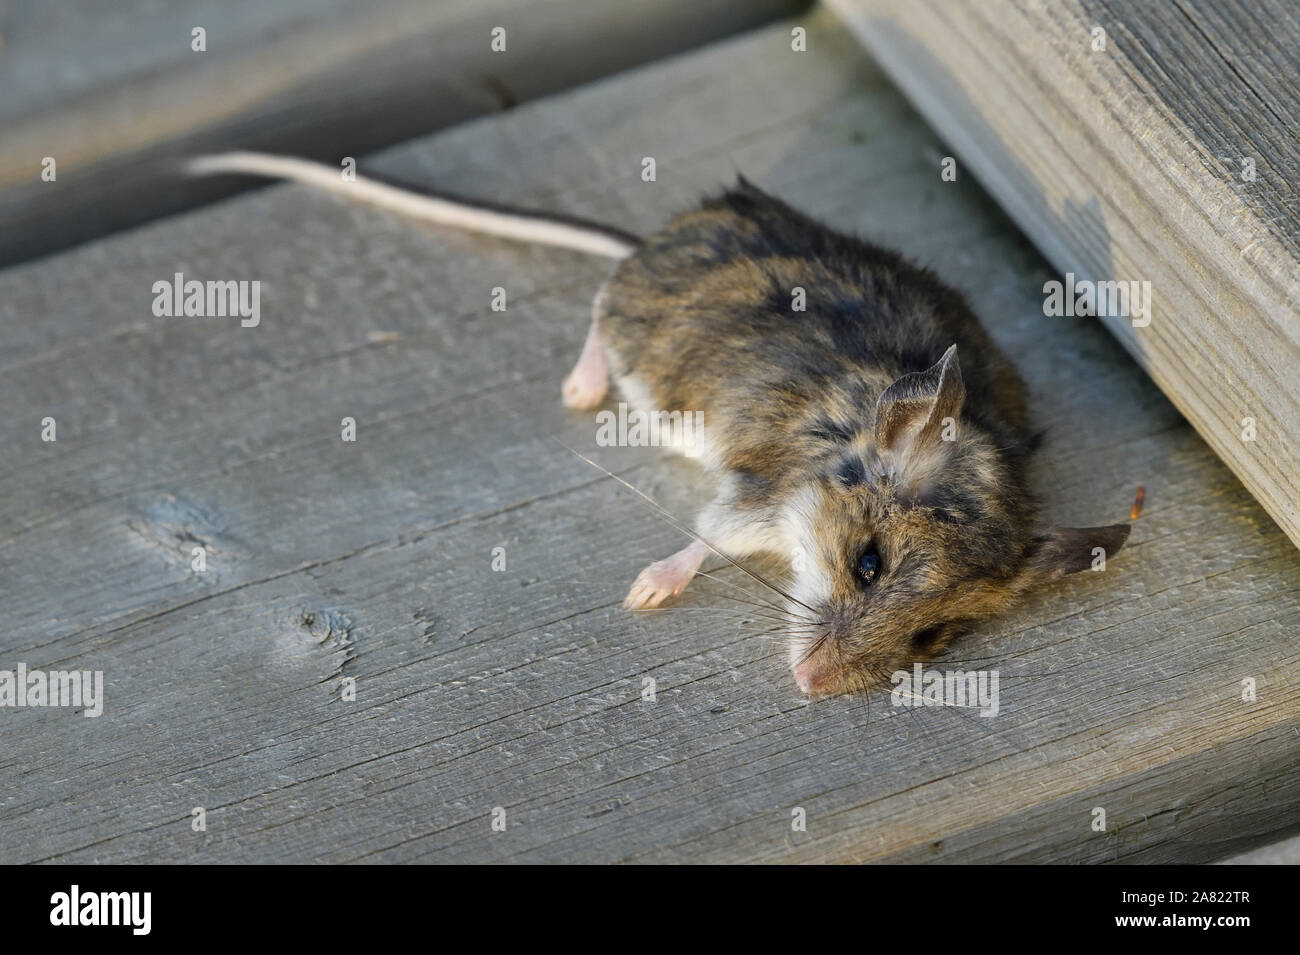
(910, 413)
(1068, 550)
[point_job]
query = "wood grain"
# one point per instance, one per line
(521, 689)
(1129, 163)
(115, 94)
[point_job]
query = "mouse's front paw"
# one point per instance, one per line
(658, 582)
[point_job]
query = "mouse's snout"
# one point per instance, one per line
(814, 679)
(842, 658)
(807, 677)
(817, 675)
(817, 663)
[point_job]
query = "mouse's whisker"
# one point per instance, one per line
(750, 593)
(673, 521)
(752, 603)
(813, 647)
(739, 589)
(789, 614)
(760, 605)
(787, 632)
(733, 612)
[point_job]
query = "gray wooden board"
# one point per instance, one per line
(522, 689)
(114, 92)
(1286, 852)
(1141, 142)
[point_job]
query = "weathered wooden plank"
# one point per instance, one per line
(521, 689)
(1286, 852)
(1161, 150)
(115, 93)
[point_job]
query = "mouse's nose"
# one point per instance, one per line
(809, 677)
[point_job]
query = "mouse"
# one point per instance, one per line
(856, 418)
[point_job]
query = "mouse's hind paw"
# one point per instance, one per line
(582, 392)
(586, 385)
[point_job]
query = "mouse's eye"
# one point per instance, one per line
(868, 565)
(927, 639)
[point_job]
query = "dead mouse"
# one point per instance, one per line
(859, 420)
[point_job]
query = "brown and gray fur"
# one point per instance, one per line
(827, 425)
(880, 421)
